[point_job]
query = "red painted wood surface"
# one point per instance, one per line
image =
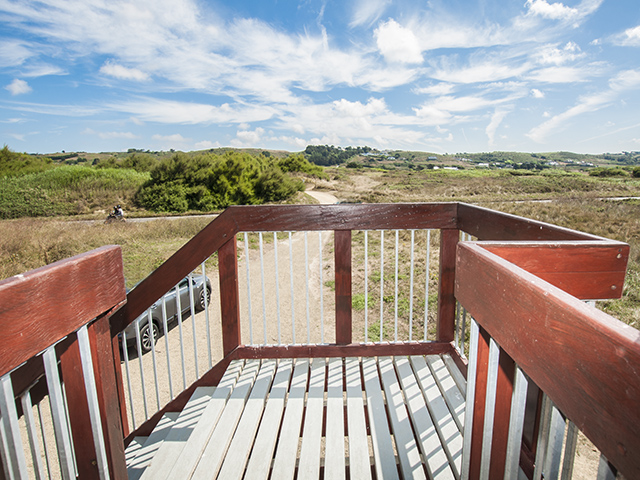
(229, 296)
(486, 224)
(446, 297)
(42, 306)
(72, 376)
(479, 404)
(586, 270)
(108, 397)
(586, 361)
(342, 252)
(504, 391)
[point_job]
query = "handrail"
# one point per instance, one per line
(583, 359)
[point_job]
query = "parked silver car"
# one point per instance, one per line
(171, 309)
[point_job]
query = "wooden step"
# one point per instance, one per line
(145, 454)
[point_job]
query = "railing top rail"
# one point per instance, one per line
(40, 307)
(585, 360)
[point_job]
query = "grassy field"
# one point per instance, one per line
(576, 203)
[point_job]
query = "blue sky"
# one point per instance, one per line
(436, 75)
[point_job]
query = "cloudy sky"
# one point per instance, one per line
(430, 75)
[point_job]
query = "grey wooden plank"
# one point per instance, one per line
(236, 459)
(408, 453)
(148, 450)
(456, 374)
(428, 440)
(448, 386)
(359, 464)
(450, 436)
(206, 403)
(287, 450)
(311, 447)
(383, 450)
(334, 463)
(216, 448)
(134, 447)
(259, 464)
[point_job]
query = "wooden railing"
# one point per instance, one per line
(556, 262)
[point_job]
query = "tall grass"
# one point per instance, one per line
(67, 190)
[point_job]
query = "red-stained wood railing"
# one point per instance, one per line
(584, 360)
(46, 307)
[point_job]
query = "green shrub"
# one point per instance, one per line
(608, 172)
(636, 172)
(12, 163)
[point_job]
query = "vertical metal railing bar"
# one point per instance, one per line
(413, 241)
(395, 310)
(181, 335)
(59, 415)
(472, 373)
(192, 308)
(27, 410)
(426, 285)
(366, 286)
(92, 401)
(516, 424)
(12, 428)
(570, 446)
(321, 289)
(144, 387)
(264, 299)
(293, 310)
(5, 458)
(554, 446)
(606, 471)
(456, 330)
(153, 357)
(275, 253)
(381, 283)
(69, 430)
(463, 335)
(44, 440)
(206, 314)
(125, 354)
(306, 277)
(543, 437)
(246, 259)
(490, 408)
(166, 342)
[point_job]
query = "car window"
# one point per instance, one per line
(183, 283)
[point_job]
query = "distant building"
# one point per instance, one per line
(432, 158)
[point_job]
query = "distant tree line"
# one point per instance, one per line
(329, 155)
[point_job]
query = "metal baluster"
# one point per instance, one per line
(166, 343)
(153, 357)
(306, 277)
(490, 408)
(456, 336)
(246, 258)
(58, 413)
(543, 437)
(554, 447)
(27, 410)
(426, 286)
(464, 327)
(366, 286)
(321, 291)
(264, 300)
(472, 372)
(606, 471)
(44, 441)
(92, 401)
(11, 428)
(192, 308)
(395, 309)
(381, 282)
(569, 451)
(516, 425)
(125, 354)
(293, 303)
(206, 314)
(413, 241)
(275, 252)
(181, 335)
(5, 458)
(144, 387)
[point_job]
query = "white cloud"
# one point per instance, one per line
(478, 70)
(397, 44)
(207, 144)
(13, 52)
(437, 89)
(175, 138)
(565, 74)
(18, 87)
(628, 38)
(554, 11)
(624, 81)
(123, 73)
(552, 55)
(110, 135)
(535, 93)
(248, 138)
(367, 12)
(496, 120)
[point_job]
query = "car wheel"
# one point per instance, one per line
(145, 338)
(201, 304)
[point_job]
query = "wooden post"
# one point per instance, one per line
(479, 406)
(108, 397)
(229, 295)
(342, 241)
(446, 298)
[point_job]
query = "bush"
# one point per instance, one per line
(636, 172)
(608, 172)
(12, 163)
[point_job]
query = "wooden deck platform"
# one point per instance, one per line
(386, 417)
